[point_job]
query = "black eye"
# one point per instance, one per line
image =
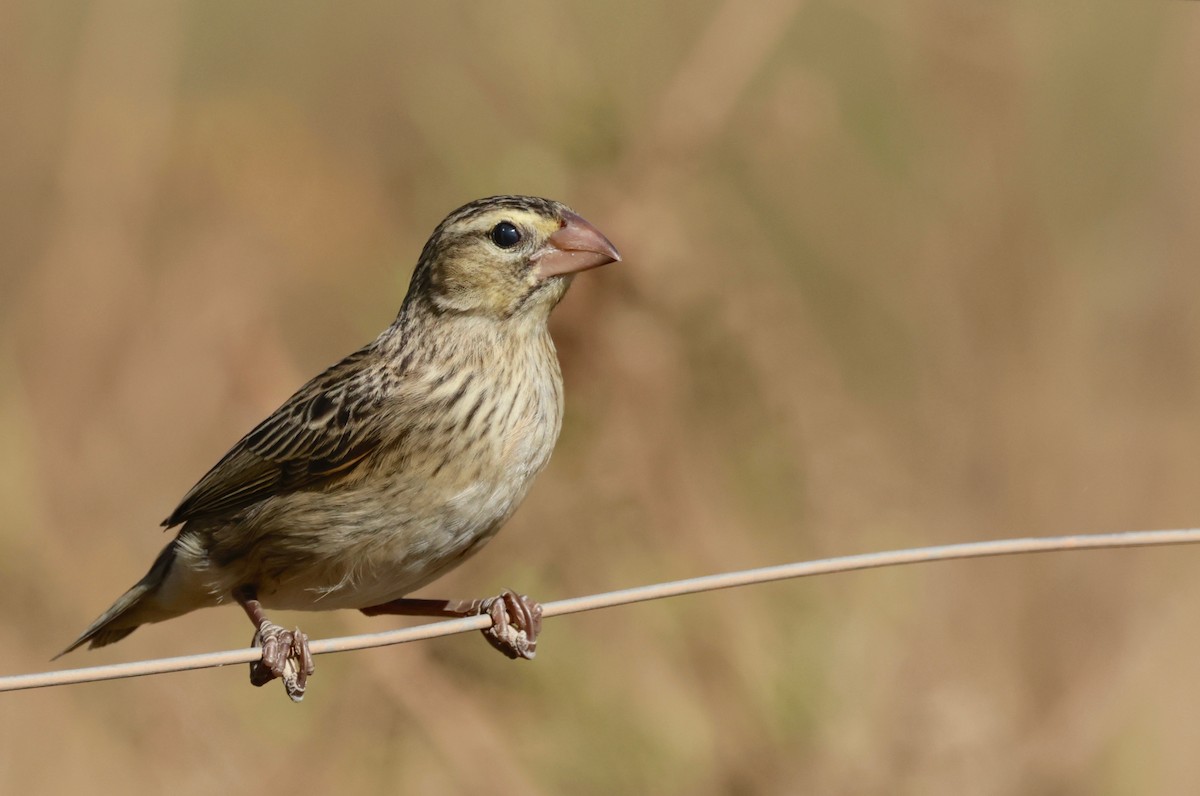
(505, 235)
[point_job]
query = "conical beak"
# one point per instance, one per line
(577, 246)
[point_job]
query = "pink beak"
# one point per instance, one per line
(577, 246)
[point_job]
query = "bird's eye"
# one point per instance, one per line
(505, 235)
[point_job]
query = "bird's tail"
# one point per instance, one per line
(121, 618)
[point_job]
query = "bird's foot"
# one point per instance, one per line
(516, 622)
(516, 619)
(285, 655)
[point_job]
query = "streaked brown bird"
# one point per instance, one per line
(397, 463)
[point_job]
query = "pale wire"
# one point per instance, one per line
(658, 591)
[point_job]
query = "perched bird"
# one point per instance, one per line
(397, 463)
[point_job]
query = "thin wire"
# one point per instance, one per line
(728, 580)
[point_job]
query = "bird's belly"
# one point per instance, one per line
(362, 558)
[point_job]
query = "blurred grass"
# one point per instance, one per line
(895, 275)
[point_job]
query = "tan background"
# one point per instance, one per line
(895, 274)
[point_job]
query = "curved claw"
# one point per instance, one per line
(285, 655)
(516, 623)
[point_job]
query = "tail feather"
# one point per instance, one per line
(121, 618)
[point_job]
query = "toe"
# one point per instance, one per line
(286, 656)
(516, 621)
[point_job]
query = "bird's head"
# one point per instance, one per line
(506, 256)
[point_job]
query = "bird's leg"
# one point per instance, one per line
(285, 653)
(516, 619)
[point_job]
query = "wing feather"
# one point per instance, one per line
(326, 429)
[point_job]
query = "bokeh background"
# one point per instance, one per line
(895, 274)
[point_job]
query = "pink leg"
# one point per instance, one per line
(516, 619)
(285, 653)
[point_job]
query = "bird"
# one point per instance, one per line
(397, 463)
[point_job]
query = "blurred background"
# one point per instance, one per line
(895, 274)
